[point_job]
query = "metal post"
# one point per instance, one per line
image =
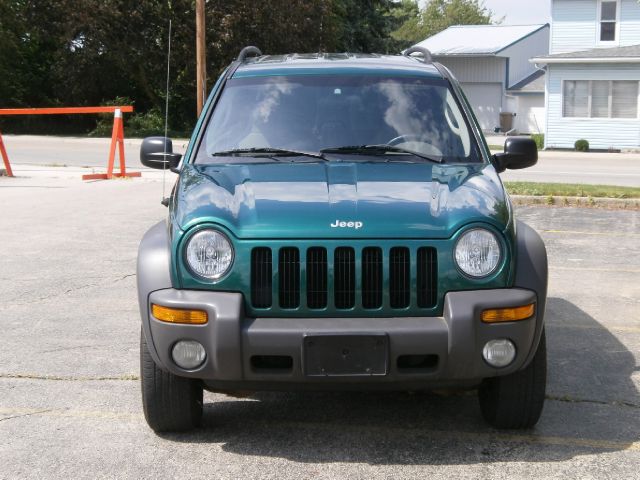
(5, 158)
(201, 56)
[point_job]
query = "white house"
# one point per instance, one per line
(593, 74)
(492, 64)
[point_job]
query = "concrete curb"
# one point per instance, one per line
(588, 202)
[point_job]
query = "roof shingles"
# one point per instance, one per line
(480, 40)
(631, 51)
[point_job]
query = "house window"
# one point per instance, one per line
(600, 99)
(608, 20)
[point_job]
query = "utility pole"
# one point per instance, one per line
(201, 57)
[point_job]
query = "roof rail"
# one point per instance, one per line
(248, 51)
(426, 54)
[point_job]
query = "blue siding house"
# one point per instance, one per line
(492, 64)
(593, 74)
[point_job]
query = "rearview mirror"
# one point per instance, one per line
(519, 152)
(157, 152)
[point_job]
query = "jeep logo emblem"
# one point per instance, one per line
(343, 224)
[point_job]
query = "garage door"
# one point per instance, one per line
(531, 113)
(486, 100)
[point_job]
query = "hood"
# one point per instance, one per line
(339, 199)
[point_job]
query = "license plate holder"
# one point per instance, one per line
(346, 355)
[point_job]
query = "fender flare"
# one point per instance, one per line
(153, 273)
(532, 272)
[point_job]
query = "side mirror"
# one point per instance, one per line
(519, 152)
(157, 152)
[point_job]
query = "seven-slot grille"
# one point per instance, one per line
(343, 278)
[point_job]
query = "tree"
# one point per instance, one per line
(363, 25)
(92, 52)
(438, 15)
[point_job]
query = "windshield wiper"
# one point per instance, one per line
(380, 149)
(267, 152)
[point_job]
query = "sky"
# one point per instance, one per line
(520, 12)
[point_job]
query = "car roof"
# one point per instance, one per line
(335, 63)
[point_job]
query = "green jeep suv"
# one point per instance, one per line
(338, 223)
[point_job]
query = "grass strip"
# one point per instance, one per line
(571, 190)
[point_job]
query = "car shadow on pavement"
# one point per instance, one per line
(592, 407)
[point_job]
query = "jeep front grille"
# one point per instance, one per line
(344, 278)
(289, 271)
(427, 277)
(261, 277)
(399, 292)
(372, 277)
(317, 284)
(344, 281)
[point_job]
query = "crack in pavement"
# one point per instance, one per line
(75, 289)
(595, 327)
(64, 349)
(612, 403)
(31, 376)
(26, 414)
(133, 377)
(69, 412)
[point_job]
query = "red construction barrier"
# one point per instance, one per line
(117, 140)
(63, 110)
(5, 158)
(117, 135)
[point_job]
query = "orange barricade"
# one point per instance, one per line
(117, 140)
(117, 135)
(5, 158)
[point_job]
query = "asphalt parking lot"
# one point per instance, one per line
(69, 395)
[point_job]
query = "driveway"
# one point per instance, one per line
(27, 151)
(70, 395)
(622, 169)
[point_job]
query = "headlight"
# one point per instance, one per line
(477, 252)
(209, 254)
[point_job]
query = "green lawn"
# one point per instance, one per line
(571, 190)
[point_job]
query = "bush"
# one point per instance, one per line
(135, 125)
(145, 124)
(582, 145)
(539, 139)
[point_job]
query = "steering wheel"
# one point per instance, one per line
(412, 137)
(419, 144)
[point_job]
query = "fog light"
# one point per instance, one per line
(188, 354)
(499, 353)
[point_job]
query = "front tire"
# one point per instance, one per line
(170, 403)
(516, 400)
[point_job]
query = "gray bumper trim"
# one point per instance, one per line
(230, 339)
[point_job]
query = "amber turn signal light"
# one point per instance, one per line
(179, 315)
(496, 315)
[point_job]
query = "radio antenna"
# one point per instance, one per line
(165, 201)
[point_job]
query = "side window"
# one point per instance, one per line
(600, 98)
(456, 123)
(608, 20)
(575, 98)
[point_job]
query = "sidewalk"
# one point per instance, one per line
(23, 172)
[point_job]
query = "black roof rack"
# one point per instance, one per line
(251, 50)
(426, 54)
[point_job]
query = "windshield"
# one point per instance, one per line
(311, 113)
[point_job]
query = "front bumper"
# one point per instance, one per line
(231, 340)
